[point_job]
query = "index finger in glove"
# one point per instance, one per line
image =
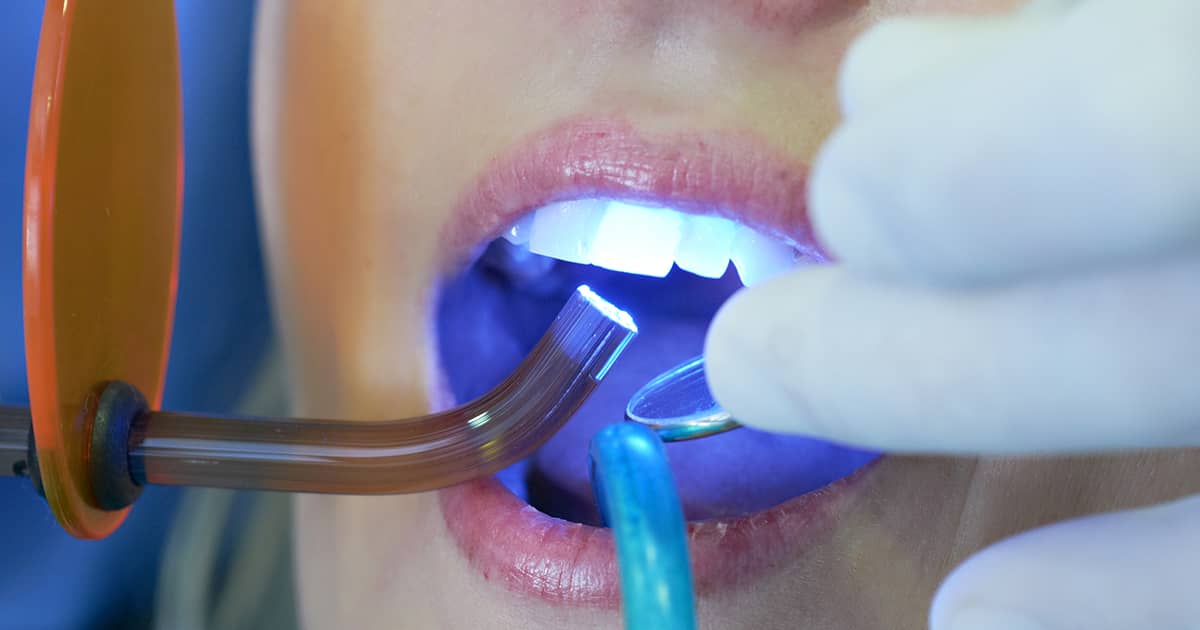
(1098, 363)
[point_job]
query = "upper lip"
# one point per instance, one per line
(784, 17)
(729, 173)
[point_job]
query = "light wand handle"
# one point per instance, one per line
(394, 456)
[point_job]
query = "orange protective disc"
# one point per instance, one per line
(103, 182)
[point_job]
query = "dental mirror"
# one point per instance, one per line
(678, 406)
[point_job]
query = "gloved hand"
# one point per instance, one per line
(1015, 207)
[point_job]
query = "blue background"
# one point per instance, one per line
(222, 324)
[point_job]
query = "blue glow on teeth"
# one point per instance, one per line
(647, 240)
(566, 230)
(704, 248)
(519, 232)
(758, 258)
(637, 239)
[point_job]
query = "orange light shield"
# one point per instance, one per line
(103, 191)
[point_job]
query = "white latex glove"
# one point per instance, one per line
(1015, 206)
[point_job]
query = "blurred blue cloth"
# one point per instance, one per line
(222, 324)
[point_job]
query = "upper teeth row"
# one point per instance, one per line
(645, 240)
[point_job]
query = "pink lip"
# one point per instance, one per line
(717, 172)
(785, 17)
(727, 173)
(511, 543)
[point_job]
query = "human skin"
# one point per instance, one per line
(373, 119)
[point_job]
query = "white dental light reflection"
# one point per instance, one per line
(704, 248)
(566, 230)
(604, 306)
(758, 258)
(649, 241)
(520, 232)
(637, 239)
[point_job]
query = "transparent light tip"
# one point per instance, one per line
(604, 306)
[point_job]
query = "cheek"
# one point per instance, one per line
(387, 562)
(367, 561)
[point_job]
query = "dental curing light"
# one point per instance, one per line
(126, 445)
(103, 189)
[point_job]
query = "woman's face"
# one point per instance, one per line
(396, 140)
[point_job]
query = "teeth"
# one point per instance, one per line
(704, 249)
(758, 257)
(637, 239)
(518, 233)
(566, 230)
(643, 240)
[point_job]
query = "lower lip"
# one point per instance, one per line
(511, 543)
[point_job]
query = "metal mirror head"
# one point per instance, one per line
(678, 405)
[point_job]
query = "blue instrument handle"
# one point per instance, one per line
(636, 493)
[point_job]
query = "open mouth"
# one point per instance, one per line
(492, 315)
(747, 495)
